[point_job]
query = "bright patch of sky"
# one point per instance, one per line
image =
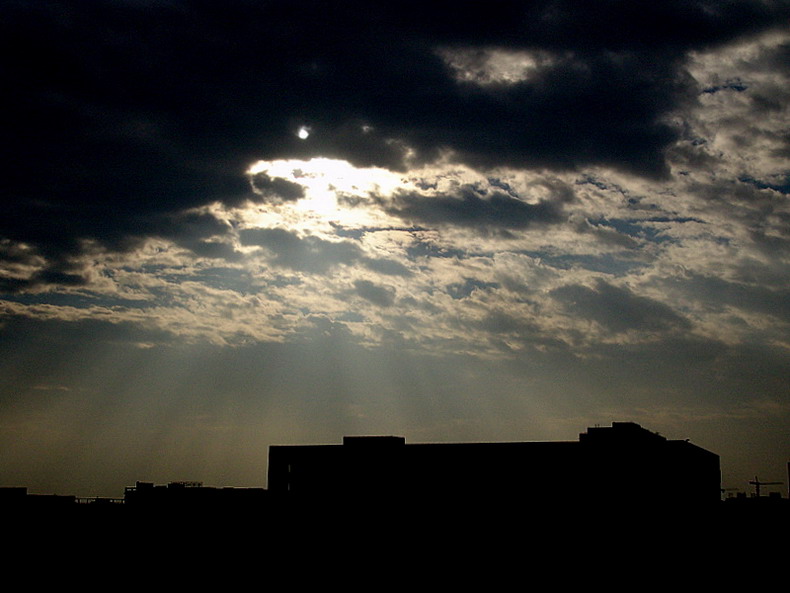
(325, 182)
(492, 66)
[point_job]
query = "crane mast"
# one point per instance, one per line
(757, 484)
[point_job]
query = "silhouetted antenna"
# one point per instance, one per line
(757, 484)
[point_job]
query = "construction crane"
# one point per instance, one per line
(757, 484)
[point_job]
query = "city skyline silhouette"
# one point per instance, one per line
(622, 465)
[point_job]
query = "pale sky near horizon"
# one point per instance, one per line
(232, 225)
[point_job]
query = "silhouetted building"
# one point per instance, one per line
(618, 466)
(191, 496)
(18, 497)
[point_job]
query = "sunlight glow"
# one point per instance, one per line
(325, 179)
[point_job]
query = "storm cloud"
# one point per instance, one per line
(118, 111)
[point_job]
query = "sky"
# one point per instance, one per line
(230, 225)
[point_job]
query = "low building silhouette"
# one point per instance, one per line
(19, 497)
(191, 495)
(622, 466)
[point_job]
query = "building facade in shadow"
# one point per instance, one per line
(622, 466)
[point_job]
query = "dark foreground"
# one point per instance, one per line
(389, 547)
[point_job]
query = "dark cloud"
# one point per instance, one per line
(55, 248)
(276, 189)
(468, 207)
(387, 267)
(752, 293)
(41, 279)
(500, 323)
(582, 25)
(383, 296)
(213, 250)
(618, 309)
(118, 113)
